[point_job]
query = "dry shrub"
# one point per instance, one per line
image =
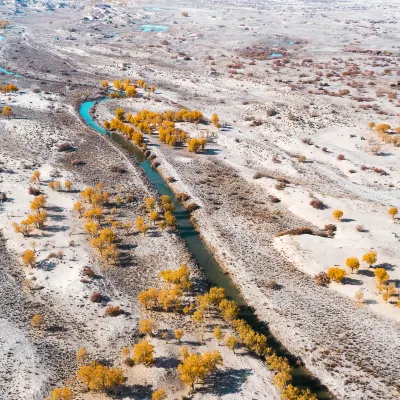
(274, 199)
(296, 232)
(182, 197)
(34, 191)
(113, 311)
(280, 186)
(258, 175)
(340, 157)
(322, 279)
(87, 271)
(65, 147)
(271, 284)
(317, 204)
(118, 169)
(96, 297)
(171, 179)
(192, 207)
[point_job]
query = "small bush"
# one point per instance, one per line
(192, 207)
(324, 149)
(340, 157)
(118, 169)
(182, 196)
(271, 112)
(34, 191)
(296, 231)
(96, 297)
(272, 284)
(322, 279)
(317, 204)
(171, 179)
(113, 311)
(65, 147)
(274, 199)
(258, 175)
(87, 271)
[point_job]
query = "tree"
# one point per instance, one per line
(37, 321)
(353, 263)
(194, 145)
(178, 334)
(141, 225)
(63, 393)
(98, 377)
(23, 228)
(38, 203)
(120, 113)
(381, 275)
(370, 258)
(94, 213)
(336, 274)
(170, 219)
(79, 208)
(371, 125)
(35, 176)
(143, 353)
(150, 203)
(55, 185)
(359, 296)
(231, 342)
(159, 395)
(104, 84)
(111, 254)
(178, 277)
(229, 310)
(29, 258)
(196, 367)
(149, 298)
(218, 333)
(393, 211)
(338, 214)
(92, 228)
(81, 355)
(68, 185)
(7, 112)
(293, 393)
(153, 216)
(215, 120)
(147, 327)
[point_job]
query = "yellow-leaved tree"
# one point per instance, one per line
(63, 393)
(98, 377)
(143, 353)
(336, 274)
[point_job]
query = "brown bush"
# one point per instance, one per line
(118, 169)
(296, 232)
(340, 157)
(318, 204)
(34, 191)
(192, 207)
(87, 271)
(274, 199)
(182, 196)
(96, 297)
(322, 279)
(113, 311)
(65, 147)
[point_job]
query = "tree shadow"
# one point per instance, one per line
(56, 217)
(229, 381)
(56, 228)
(347, 220)
(166, 362)
(366, 272)
(55, 208)
(370, 301)
(351, 281)
(47, 265)
(386, 266)
(138, 392)
(210, 152)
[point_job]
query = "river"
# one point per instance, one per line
(204, 257)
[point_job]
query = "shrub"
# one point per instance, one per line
(322, 279)
(87, 271)
(113, 311)
(318, 204)
(274, 199)
(118, 169)
(336, 274)
(393, 211)
(330, 229)
(182, 197)
(271, 112)
(96, 297)
(192, 207)
(37, 321)
(340, 157)
(34, 191)
(258, 175)
(301, 159)
(296, 231)
(65, 147)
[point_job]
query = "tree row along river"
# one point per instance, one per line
(202, 254)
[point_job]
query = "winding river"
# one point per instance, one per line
(204, 257)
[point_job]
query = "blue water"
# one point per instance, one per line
(10, 73)
(152, 9)
(1, 38)
(275, 55)
(291, 42)
(153, 28)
